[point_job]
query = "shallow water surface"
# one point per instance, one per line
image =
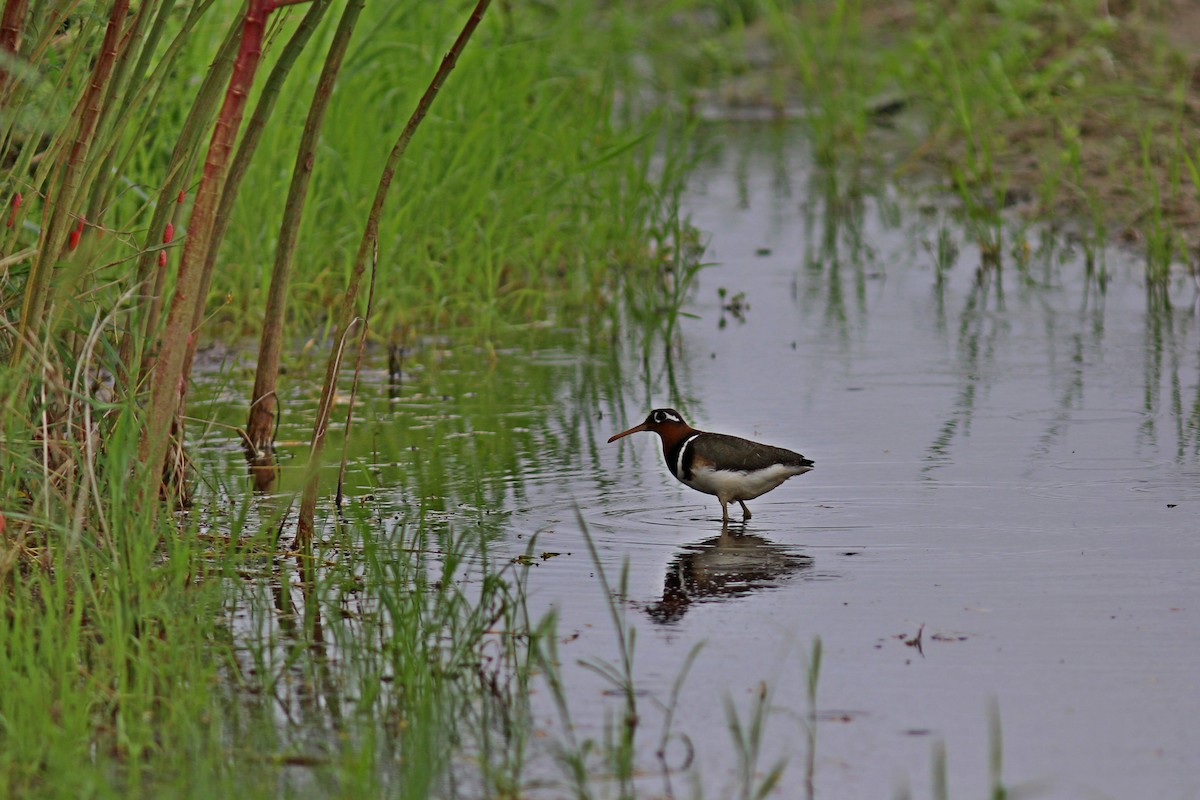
(1007, 466)
(1004, 505)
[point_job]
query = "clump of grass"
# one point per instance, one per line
(523, 196)
(748, 741)
(839, 74)
(1160, 235)
(939, 764)
(1045, 108)
(105, 631)
(1030, 84)
(126, 656)
(188, 655)
(813, 679)
(509, 212)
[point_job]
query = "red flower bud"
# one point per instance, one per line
(16, 203)
(168, 233)
(73, 240)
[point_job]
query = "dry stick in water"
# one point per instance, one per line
(261, 422)
(358, 360)
(308, 502)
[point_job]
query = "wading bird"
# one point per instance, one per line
(715, 463)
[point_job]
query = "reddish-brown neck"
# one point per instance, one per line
(672, 433)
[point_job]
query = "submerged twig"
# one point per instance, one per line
(358, 360)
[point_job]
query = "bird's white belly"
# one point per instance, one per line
(732, 485)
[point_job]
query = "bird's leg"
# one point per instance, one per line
(745, 511)
(724, 511)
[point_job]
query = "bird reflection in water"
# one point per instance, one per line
(721, 568)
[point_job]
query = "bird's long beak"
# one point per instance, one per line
(634, 429)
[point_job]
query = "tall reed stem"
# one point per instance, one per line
(10, 33)
(260, 427)
(152, 281)
(308, 502)
(61, 212)
(169, 381)
(245, 153)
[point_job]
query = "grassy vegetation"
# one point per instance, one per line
(526, 189)
(197, 655)
(151, 651)
(1077, 112)
(521, 194)
(106, 632)
(163, 662)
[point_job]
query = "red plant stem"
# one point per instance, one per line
(255, 125)
(308, 503)
(10, 33)
(168, 383)
(10, 24)
(137, 352)
(55, 231)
